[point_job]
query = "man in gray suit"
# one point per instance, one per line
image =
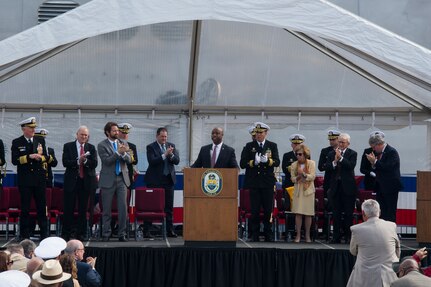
(375, 243)
(114, 178)
(410, 275)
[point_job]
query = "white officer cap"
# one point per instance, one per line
(30, 122)
(41, 132)
(125, 127)
(297, 138)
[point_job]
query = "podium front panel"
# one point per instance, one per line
(207, 216)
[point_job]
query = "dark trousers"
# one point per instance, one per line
(168, 186)
(388, 205)
(70, 197)
(261, 197)
(343, 206)
(38, 193)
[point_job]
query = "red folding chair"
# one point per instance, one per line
(245, 214)
(150, 205)
(57, 210)
(4, 207)
(322, 215)
(14, 209)
(362, 196)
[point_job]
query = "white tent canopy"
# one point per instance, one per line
(319, 18)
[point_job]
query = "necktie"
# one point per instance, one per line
(81, 165)
(165, 162)
(213, 156)
(117, 162)
(260, 147)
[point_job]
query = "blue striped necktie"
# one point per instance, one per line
(117, 162)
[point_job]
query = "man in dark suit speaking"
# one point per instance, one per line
(217, 154)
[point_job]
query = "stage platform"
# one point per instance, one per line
(159, 262)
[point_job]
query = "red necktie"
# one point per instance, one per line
(81, 165)
(213, 156)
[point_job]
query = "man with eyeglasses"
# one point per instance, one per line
(385, 162)
(342, 190)
(259, 158)
(87, 273)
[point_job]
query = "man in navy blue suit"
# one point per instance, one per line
(162, 156)
(385, 162)
(87, 273)
(217, 154)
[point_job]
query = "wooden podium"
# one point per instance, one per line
(423, 207)
(210, 207)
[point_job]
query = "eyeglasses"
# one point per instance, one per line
(10, 262)
(299, 154)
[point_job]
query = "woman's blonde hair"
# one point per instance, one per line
(302, 147)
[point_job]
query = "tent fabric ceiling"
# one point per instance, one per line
(313, 17)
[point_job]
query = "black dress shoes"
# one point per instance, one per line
(255, 239)
(123, 238)
(148, 235)
(269, 239)
(105, 239)
(172, 234)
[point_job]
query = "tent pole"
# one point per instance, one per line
(193, 70)
(45, 56)
(355, 68)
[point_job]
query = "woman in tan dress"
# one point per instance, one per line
(303, 172)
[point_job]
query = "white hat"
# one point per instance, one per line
(50, 247)
(54, 241)
(14, 278)
(375, 133)
(261, 127)
(41, 132)
(51, 273)
(30, 122)
(125, 127)
(297, 138)
(251, 130)
(333, 134)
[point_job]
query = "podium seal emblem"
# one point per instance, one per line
(211, 182)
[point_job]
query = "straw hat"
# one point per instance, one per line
(51, 273)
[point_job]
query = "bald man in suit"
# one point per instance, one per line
(224, 156)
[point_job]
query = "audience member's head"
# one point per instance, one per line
(29, 247)
(370, 208)
(68, 263)
(5, 262)
(75, 248)
(14, 278)
(15, 248)
(34, 264)
(17, 256)
(51, 274)
(408, 266)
